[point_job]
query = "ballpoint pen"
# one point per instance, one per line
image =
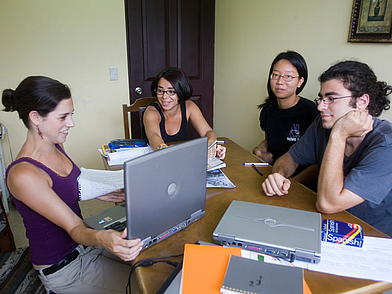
(255, 167)
(220, 142)
(255, 163)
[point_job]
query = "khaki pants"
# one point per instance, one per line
(94, 271)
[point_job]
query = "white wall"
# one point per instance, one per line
(75, 42)
(249, 34)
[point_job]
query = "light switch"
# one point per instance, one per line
(113, 73)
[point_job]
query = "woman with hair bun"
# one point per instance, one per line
(68, 256)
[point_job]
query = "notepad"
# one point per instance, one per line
(250, 276)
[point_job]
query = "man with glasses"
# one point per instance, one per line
(349, 144)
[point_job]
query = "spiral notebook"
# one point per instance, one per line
(250, 276)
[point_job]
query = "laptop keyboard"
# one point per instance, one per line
(117, 226)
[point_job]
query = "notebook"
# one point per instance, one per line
(245, 275)
(165, 192)
(282, 232)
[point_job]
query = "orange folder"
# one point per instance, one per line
(204, 268)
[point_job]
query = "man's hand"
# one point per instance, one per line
(276, 184)
(354, 124)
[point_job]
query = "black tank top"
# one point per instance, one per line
(182, 134)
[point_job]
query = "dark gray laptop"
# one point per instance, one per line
(282, 232)
(165, 192)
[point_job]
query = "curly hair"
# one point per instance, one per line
(359, 79)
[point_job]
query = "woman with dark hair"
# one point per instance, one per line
(285, 116)
(43, 185)
(167, 120)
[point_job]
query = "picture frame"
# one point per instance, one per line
(371, 21)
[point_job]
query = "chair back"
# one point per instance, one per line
(7, 242)
(138, 106)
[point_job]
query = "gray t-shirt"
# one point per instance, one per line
(367, 172)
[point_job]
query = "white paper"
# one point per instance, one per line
(372, 261)
(118, 158)
(94, 182)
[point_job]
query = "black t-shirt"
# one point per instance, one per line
(284, 127)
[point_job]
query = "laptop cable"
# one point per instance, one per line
(149, 262)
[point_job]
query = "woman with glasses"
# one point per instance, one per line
(285, 116)
(167, 120)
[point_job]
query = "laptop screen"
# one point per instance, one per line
(165, 190)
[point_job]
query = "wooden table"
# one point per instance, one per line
(248, 188)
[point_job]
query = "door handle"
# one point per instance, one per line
(138, 90)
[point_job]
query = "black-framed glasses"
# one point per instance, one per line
(286, 78)
(160, 92)
(329, 99)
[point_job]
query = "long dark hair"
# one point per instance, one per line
(359, 79)
(38, 93)
(298, 62)
(178, 79)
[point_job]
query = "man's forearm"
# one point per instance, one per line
(331, 178)
(285, 165)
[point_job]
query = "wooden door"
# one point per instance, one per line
(163, 33)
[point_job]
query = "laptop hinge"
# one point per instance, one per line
(306, 255)
(147, 242)
(197, 215)
(230, 237)
(223, 239)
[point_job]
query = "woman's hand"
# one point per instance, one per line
(117, 243)
(115, 196)
(220, 151)
(261, 151)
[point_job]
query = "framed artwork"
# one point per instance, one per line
(371, 21)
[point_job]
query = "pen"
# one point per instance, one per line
(221, 142)
(255, 163)
(255, 167)
(103, 150)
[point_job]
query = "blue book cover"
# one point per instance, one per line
(342, 233)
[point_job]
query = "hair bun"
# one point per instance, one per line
(8, 100)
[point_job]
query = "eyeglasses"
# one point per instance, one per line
(160, 92)
(328, 99)
(286, 78)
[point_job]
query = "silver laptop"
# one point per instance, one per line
(282, 232)
(165, 192)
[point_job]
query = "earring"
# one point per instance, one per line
(40, 133)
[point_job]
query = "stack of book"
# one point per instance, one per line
(118, 151)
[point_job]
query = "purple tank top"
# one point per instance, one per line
(48, 242)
